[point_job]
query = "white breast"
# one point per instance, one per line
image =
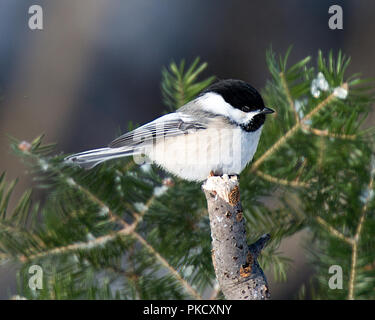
(195, 155)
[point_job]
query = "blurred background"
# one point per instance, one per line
(97, 65)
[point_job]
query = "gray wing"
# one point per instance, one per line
(170, 125)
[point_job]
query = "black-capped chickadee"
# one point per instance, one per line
(216, 133)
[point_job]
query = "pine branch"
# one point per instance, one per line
(165, 263)
(333, 231)
(284, 182)
(88, 245)
(288, 95)
(326, 133)
(127, 229)
(282, 140)
(236, 266)
(180, 86)
(139, 216)
(356, 238)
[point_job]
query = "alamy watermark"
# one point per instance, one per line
(36, 280)
(336, 20)
(335, 281)
(36, 17)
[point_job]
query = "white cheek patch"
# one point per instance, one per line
(214, 103)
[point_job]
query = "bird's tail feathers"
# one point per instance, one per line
(91, 158)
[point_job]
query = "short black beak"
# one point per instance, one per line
(267, 110)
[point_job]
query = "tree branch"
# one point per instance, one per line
(294, 129)
(127, 229)
(355, 240)
(326, 133)
(284, 182)
(237, 270)
(333, 231)
(289, 96)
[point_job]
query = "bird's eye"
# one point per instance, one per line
(246, 109)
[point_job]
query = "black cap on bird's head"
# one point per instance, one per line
(241, 95)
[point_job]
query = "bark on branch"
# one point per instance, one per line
(237, 270)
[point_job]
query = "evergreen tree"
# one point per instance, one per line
(123, 231)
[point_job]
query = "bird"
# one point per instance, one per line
(216, 133)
